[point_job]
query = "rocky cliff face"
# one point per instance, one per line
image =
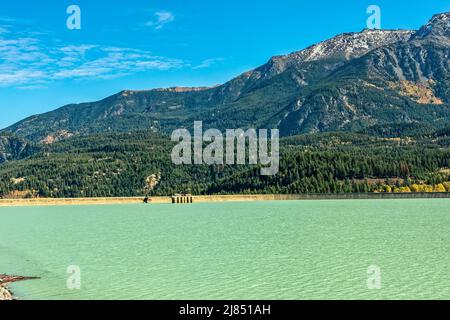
(438, 27)
(347, 46)
(405, 82)
(332, 53)
(350, 82)
(12, 148)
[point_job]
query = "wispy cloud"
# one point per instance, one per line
(29, 62)
(113, 62)
(208, 63)
(161, 18)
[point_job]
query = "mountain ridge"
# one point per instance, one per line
(349, 82)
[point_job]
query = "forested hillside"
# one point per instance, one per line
(138, 164)
(12, 148)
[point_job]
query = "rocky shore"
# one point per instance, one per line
(5, 293)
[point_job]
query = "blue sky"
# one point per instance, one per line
(137, 44)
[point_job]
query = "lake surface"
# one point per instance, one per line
(255, 250)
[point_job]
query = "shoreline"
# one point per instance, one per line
(218, 198)
(5, 292)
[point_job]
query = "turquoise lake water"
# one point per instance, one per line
(255, 250)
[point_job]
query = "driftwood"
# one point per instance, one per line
(4, 279)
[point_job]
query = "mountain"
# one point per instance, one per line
(12, 148)
(437, 28)
(351, 82)
(402, 82)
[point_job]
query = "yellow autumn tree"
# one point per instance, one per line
(402, 190)
(447, 186)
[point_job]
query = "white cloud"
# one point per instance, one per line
(77, 50)
(208, 63)
(29, 63)
(32, 87)
(162, 18)
(20, 77)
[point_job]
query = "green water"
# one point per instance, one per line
(258, 250)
